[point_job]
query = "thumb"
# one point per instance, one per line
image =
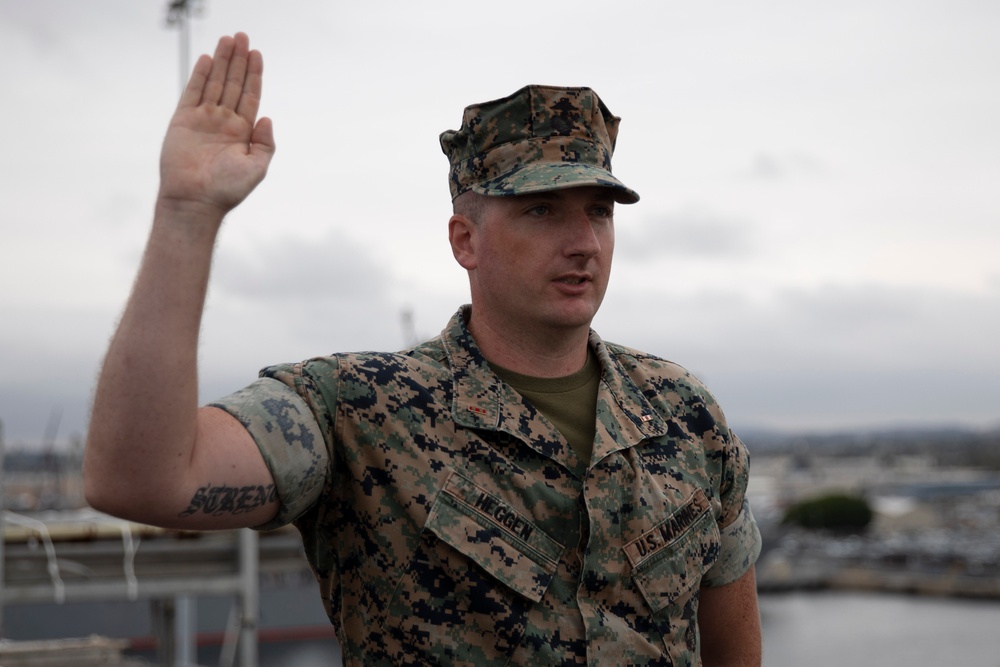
(262, 138)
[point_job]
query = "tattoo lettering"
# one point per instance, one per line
(219, 500)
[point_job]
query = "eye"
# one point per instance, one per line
(539, 210)
(603, 210)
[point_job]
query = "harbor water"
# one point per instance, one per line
(834, 629)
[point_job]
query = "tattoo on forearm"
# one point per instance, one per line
(219, 500)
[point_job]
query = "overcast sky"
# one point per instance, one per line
(817, 237)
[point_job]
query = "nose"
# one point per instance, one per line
(584, 235)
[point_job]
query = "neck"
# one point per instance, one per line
(549, 355)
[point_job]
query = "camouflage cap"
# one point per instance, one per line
(540, 138)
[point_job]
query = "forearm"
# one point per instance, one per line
(149, 448)
(144, 420)
(729, 622)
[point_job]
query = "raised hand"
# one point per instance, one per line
(216, 151)
(147, 439)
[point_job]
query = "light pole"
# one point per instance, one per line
(179, 14)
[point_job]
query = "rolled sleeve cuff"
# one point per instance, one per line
(289, 439)
(740, 547)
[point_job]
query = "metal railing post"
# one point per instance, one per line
(250, 597)
(3, 530)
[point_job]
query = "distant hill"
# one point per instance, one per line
(952, 446)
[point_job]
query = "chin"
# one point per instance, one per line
(576, 318)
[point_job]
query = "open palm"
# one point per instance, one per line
(216, 151)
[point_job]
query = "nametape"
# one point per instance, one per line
(665, 533)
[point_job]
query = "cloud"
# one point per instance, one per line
(286, 269)
(50, 354)
(821, 231)
(781, 166)
(877, 326)
(692, 233)
(834, 329)
(289, 298)
(795, 400)
(829, 356)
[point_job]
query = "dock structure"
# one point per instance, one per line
(85, 556)
(80, 652)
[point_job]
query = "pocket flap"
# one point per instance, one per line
(499, 539)
(670, 559)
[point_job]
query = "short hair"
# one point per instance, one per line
(470, 204)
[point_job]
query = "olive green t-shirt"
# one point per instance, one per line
(569, 402)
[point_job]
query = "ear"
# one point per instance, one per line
(462, 236)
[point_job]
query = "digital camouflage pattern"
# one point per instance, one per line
(449, 523)
(540, 138)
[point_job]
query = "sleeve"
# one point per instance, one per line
(740, 541)
(279, 414)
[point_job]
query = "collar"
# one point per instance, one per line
(481, 400)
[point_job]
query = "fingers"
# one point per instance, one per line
(223, 83)
(249, 101)
(231, 78)
(191, 95)
(212, 93)
(236, 73)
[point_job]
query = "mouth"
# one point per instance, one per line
(574, 283)
(574, 279)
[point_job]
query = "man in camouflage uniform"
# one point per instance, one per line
(515, 491)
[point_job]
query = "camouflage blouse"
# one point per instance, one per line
(448, 522)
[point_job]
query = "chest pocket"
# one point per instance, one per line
(668, 563)
(479, 567)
